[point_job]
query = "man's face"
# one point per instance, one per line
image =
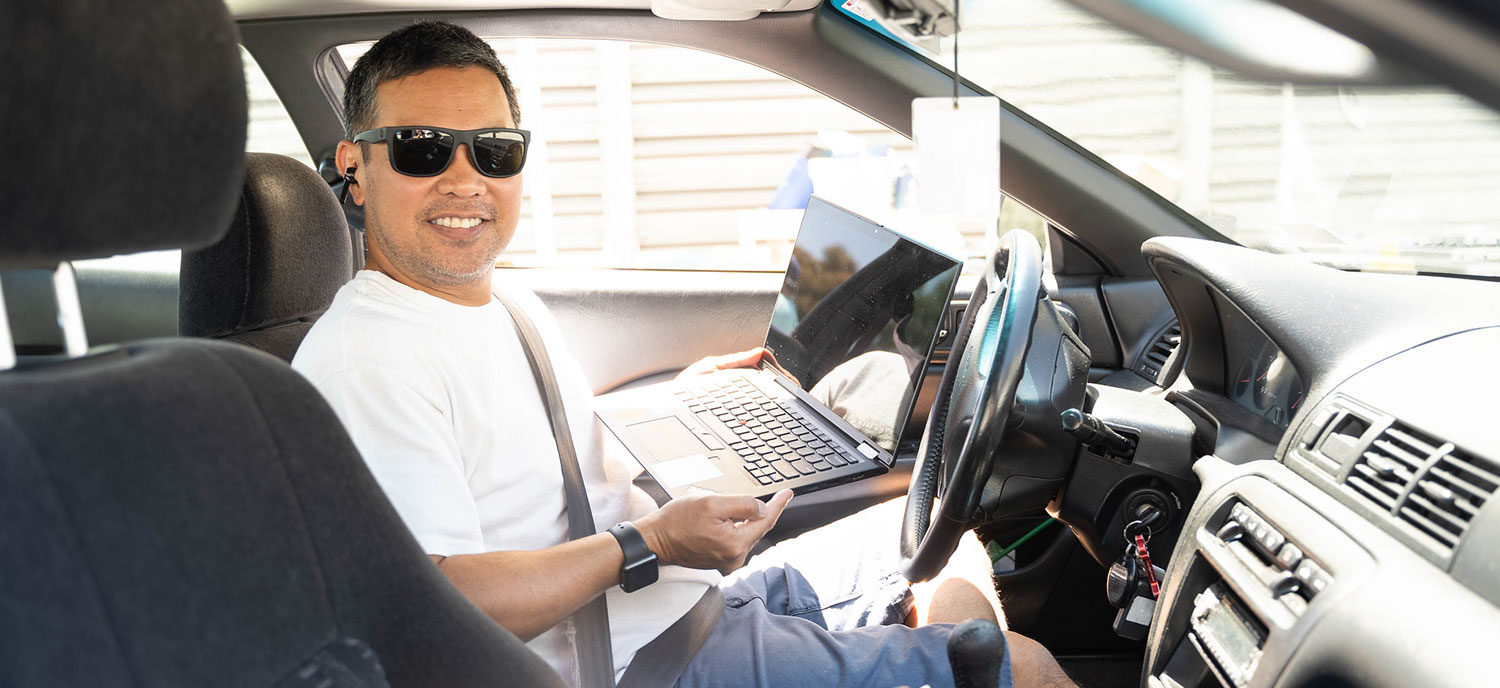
(416, 226)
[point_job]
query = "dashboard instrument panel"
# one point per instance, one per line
(1259, 376)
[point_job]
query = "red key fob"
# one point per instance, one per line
(1145, 557)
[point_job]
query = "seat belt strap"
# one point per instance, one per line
(661, 662)
(591, 648)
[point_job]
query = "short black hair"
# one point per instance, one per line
(412, 49)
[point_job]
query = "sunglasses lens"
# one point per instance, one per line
(421, 152)
(499, 154)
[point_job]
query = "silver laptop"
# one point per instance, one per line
(850, 336)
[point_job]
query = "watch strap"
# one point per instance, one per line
(639, 569)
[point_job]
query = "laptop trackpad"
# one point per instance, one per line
(667, 438)
(679, 454)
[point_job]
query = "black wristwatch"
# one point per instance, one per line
(639, 570)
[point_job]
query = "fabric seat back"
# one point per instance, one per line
(183, 512)
(286, 254)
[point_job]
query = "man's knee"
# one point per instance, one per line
(963, 590)
(957, 600)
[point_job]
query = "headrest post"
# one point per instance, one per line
(7, 345)
(69, 310)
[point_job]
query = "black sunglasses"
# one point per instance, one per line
(426, 151)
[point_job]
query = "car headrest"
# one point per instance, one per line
(286, 254)
(123, 127)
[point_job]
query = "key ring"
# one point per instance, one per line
(1137, 527)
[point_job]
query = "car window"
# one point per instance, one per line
(651, 156)
(1364, 177)
(271, 128)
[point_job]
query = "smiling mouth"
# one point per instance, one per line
(457, 222)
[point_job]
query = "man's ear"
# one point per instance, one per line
(350, 159)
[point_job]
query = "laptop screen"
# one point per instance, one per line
(857, 318)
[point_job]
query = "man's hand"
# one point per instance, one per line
(710, 531)
(743, 359)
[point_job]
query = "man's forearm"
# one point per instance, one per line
(529, 592)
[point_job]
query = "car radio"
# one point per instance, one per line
(1221, 648)
(1228, 632)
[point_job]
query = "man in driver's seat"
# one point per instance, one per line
(426, 371)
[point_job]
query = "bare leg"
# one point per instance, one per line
(965, 589)
(1032, 666)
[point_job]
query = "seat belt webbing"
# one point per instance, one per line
(661, 661)
(591, 647)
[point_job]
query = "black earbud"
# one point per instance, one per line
(348, 182)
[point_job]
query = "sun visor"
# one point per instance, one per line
(725, 10)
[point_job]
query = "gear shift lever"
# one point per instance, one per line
(976, 651)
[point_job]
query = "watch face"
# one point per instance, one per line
(639, 569)
(638, 574)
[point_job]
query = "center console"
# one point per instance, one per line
(1255, 570)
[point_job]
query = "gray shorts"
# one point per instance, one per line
(825, 609)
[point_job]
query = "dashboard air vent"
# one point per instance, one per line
(1389, 466)
(1155, 357)
(1448, 496)
(1429, 486)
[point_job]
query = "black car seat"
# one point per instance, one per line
(287, 253)
(183, 512)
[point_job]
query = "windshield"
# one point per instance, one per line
(1375, 178)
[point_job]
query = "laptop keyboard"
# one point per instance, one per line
(775, 442)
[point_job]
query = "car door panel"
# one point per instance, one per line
(1138, 311)
(628, 326)
(1081, 295)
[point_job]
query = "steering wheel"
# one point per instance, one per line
(973, 406)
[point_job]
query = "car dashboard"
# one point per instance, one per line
(1343, 533)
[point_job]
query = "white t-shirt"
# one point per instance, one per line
(441, 402)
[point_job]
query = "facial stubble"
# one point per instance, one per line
(431, 259)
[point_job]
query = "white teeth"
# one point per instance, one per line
(457, 222)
